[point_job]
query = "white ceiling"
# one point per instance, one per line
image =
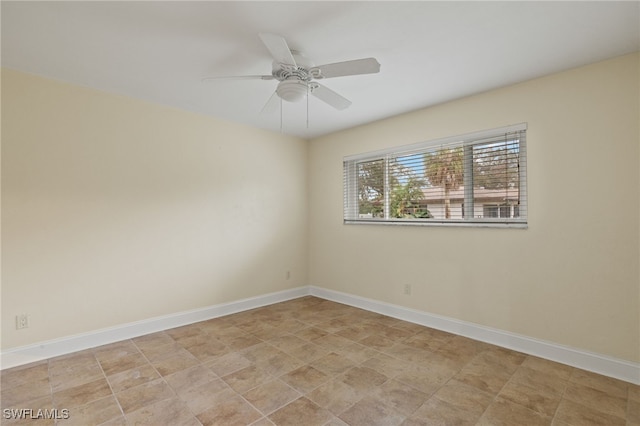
(430, 52)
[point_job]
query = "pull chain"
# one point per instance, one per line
(280, 115)
(307, 106)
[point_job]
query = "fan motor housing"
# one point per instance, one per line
(300, 71)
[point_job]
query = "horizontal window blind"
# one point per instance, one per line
(472, 179)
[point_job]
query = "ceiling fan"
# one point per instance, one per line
(297, 75)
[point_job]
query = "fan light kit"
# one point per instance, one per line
(297, 74)
(292, 90)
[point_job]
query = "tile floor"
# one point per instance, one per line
(312, 362)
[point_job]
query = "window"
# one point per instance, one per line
(503, 210)
(475, 179)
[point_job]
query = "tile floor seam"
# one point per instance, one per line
(393, 408)
(81, 405)
(564, 391)
(162, 377)
(50, 384)
(495, 397)
(186, 406)
(113, 394)
(264, 415)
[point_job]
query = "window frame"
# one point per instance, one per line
(465, 141)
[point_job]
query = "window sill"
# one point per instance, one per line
(469, 224)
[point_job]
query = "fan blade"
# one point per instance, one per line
(339, 69)
(272, 104)
(279, 48)
(239, 77)
(330, 97)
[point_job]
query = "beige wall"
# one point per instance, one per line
(116, 210)
(571, 278)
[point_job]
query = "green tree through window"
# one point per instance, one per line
(445, 168)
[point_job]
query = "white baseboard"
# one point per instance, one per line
(601, 364)
(52, 348)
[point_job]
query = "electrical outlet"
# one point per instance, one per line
(22, 321)
(407, 289)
